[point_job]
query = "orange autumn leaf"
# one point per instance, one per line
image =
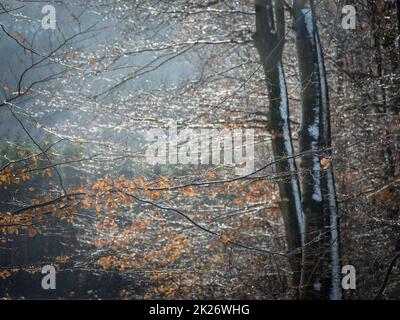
(188, 191)
(249, 197)
(86, 203)
(31, 231)
(48, 172)
(61, 259)
(140, 182)
(106, 262)
(225, 239)
(5, 274)
(211, 175)
(25, 176)
(155, 195)
(325, 163)
(235, 234)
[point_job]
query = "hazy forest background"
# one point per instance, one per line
(77, 192)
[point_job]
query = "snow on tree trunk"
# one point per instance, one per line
(322, 246)
(312, 278)
(269, 41)
(331, 214)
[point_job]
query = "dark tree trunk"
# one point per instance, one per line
(269, 40)
(328, 183)
(313, 279)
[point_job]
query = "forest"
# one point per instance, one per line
(200, 149)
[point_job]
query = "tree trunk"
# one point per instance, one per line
(312, 282)
(329, 190)
(269, 40)
(322, 246)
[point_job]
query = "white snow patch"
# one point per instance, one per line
(313, 130)
(308, 19)
(317, 195)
